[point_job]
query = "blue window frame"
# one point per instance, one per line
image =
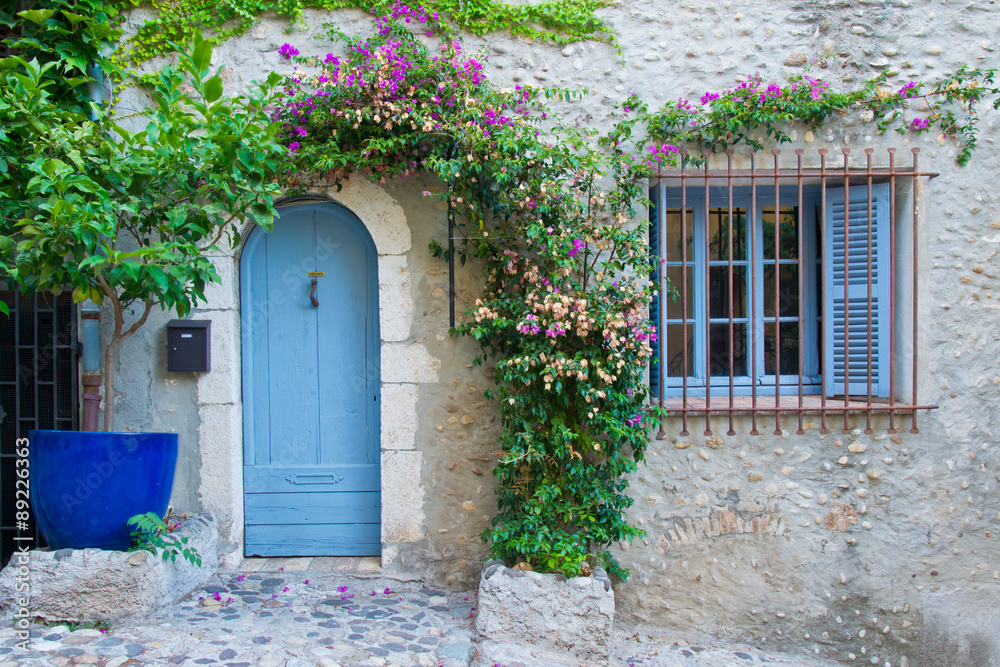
(776, 330)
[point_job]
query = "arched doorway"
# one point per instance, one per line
(310, 339)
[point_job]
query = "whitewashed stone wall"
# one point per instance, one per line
(877, 548)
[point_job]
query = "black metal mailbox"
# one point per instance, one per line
(189, 348)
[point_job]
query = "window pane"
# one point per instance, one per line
(789, 348)
(720, 349)
(718, 291)
(674, 235)
(789, 232)
(718, 233)
(788, 284)
(675, 307)
(675, 348)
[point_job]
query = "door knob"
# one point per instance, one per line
(312, 294)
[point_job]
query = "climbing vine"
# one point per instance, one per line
(719, 120)
(551, 20)
(562, 319)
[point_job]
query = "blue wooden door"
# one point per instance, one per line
(311, 386)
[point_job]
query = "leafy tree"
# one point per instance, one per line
(126, 217)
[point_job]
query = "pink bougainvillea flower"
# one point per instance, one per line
(287, 51)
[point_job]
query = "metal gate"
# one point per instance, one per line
(38, 387)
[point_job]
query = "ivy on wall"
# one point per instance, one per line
(177, 20)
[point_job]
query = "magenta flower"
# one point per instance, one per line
(292, 147)
(241, 577)
(301, 131)
(287, 51)
(918, 124)
(578, 245)
(331, 60)
(905, 90)
(708, 97)
(341, 589)
(386, 592)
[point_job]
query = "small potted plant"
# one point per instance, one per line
(127, 220)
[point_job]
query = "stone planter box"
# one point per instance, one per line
(92, 584)
(535, 618)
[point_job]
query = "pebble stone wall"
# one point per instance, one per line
(872, 549)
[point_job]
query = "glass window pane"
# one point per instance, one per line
(789, 348)
(675, 306)
(718, 233)
(675, 350)
(718, 291)
(674, 232)
(788, 284)
(788, 233)
(720, 349)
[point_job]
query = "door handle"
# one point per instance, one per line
(312, 294)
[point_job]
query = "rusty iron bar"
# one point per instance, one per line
(729, 226)
(661, 295)
(868, 394)
(876, 409)
(684, 294)
(822, 305)
(777, 294)
(916, 207)
(847, 284)
(753, 286)
(708, 307)
(855, 172)
(799, 217)
(892, 287)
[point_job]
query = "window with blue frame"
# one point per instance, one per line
(755, 271)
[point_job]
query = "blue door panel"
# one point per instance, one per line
(310, 479)
(312, 474)
(314, 508)
(315, 540)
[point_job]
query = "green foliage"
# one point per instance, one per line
(69, 35)
(563, 318)
(741, 114)
(149, 533)
(551, 20)
(132, 217)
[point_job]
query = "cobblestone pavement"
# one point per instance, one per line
(298, 618)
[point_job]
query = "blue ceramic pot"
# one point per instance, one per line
(85, 485)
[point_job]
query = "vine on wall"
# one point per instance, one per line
(177, 20)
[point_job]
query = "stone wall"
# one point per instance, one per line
(881, 547)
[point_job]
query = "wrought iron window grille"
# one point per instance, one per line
(797, 290)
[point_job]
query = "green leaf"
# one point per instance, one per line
(202, 56)
(213, 89)
(37, 15)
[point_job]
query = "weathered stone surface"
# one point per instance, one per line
(399, 416)
(572, 616)
(91, 584)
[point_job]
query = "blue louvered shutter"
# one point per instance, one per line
(846, 351)
(654, 303)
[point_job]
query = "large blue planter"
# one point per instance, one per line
(85, 485)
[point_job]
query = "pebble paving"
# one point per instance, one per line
(289, 619)
(304, 619)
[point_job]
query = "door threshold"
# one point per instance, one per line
(316, 564)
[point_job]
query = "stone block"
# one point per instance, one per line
(402, 497)
(92, 584)
(220, 489)
(408, 362)
(399, 416)
(223, 384)
(395, 302)
(553, 614)
(382, 215)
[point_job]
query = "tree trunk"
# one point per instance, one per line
(110, 366)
